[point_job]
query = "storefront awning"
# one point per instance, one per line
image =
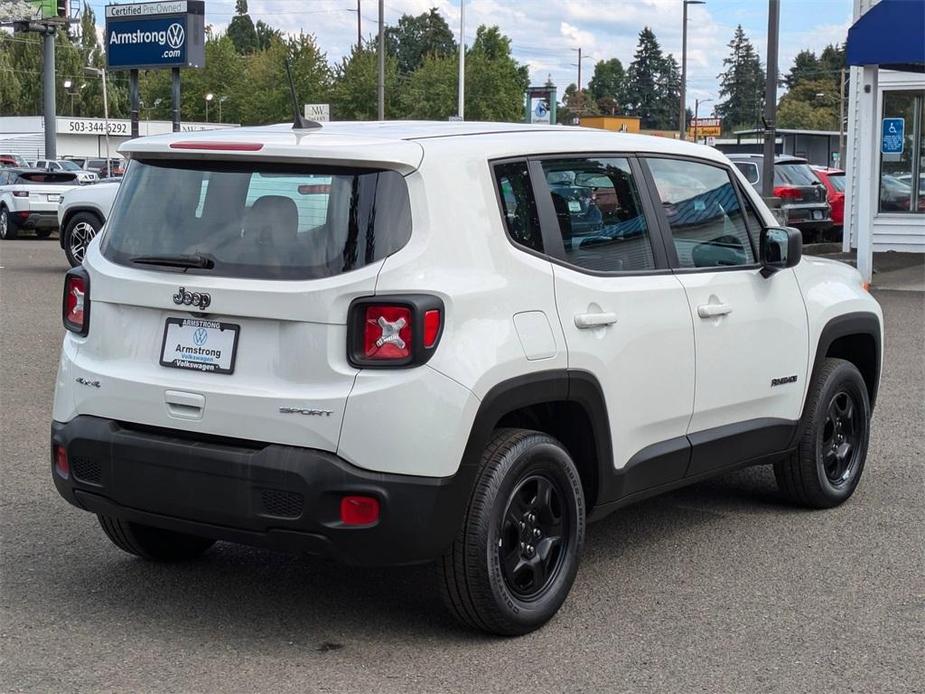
(891, 34)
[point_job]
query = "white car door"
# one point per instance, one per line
(750, 331)
(623, 313)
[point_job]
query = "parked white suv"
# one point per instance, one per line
(402, 342)
(81, 214)
(29, 200)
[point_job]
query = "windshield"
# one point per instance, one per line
(794, 174)
(259, 220)
(46, 178)
(69, 166)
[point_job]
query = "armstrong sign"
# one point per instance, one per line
(155, 34)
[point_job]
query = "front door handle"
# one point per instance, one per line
(585, 321)
(713, 310)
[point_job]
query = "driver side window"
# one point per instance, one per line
(703, 212)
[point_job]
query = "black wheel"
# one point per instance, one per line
(8, 228)
(43, 233)
(825, 469)
(78, 233)
(513, 562)
(153, 543)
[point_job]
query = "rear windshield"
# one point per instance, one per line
(837, 181)
(750, 171)
(794, 174)
(259, 220)
(47, 178)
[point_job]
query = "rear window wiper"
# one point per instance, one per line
(186, 261)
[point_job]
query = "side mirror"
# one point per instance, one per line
(780, 248)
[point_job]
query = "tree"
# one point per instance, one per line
(414, 38)
(241, 30)
(355, 91)
(810, 105)
(652, 86)
(265, 34)
(805, 66)
(606, 84)
(495, 82)
(430, 92)
(741, 84)
(575, 104)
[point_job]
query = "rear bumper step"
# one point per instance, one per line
(269, 495)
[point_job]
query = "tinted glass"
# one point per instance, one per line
(750, 171)
(68, 166)
(600, 216)
(518, 204)
(47, 178)
(703, 212)
(794, 174)
(259, 220)
(838, 182)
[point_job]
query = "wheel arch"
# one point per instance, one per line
(854, 337)
(566, 404)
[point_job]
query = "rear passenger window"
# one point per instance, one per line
(518, 204)
(749, 170)
(704, 214)
(600, 217)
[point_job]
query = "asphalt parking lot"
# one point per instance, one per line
(720, 587)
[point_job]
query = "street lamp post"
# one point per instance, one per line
(102, 73)
(67, 88)
(697, 103)
(221, 100)
(209, 98)
(682, 116)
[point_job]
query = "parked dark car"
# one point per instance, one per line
(803, 196)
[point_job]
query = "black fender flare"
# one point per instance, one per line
(845, 325)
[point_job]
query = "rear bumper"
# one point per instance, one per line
(282, 497)
(36, 220)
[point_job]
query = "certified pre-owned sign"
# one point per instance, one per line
(144, 38)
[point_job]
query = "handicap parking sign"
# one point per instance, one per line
(893, 136)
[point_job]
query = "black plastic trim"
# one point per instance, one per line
(84, 329)
(856, 323)
(419, 304)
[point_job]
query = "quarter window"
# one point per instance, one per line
(600, 217)
(518, 204)
(703, 212)
(749, 170)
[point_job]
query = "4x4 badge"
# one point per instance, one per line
(198, 299)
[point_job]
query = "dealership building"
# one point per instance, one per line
(84, 137)
(885, 156)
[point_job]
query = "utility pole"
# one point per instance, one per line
(682, 115)
(381, 59)
(770, 101)
(462, 60)
(841, 120)
(134, 100)
(48, 89)
(579, 69)
(359, 27)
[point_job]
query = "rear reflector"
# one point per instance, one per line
(431, 327)
(359, 510)
(62, 466)
(219, 146)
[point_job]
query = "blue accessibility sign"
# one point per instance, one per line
(893, 136)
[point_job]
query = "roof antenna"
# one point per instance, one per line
(299, 122)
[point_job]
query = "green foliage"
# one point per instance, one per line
(241, 30)
(741, 85)
(415, 38)
(354, 95)
(814, 91)
(652, 85)
(495, 82)
(607, 82)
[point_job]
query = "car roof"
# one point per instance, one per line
(402, 144)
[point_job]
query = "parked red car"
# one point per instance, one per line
(834, 182)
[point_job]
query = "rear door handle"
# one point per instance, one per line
(713, 310)
(585, 321)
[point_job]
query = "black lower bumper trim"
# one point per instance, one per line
(268, 495)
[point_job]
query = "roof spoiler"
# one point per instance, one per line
(299, 122)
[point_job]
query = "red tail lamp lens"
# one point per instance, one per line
(359, 510)
(75, 303)
(387, 332)
(431, 327)
(787, 193)
(62, 466)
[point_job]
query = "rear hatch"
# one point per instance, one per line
(44, 189)
(220, 290)
(799, 177)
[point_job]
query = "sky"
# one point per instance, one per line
(545, 33)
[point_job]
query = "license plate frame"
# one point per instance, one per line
(204, 361)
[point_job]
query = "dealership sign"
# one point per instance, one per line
(155, 35)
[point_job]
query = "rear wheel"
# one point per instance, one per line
(153, 543)
(78, 233)
(825, 469)
(515, 558)
(8, 228)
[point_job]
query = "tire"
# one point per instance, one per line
(78, 232)
(826, 467)
(515, 592)
(154, 544)
(8, 228)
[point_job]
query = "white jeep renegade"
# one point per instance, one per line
(409, 342)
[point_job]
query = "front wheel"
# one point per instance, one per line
(78, 234)
(826, 467)
(516, 555)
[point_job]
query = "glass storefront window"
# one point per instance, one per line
(902, 173)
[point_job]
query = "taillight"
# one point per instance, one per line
(359, 510)
(20, 193)
(391, 331)
(76, 304)
(787, 193)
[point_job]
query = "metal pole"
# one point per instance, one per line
(696, 111)
(48, 87)
(134, 98)
(770, 101)
(579, 72)
(462, 60)
(106, 124)
(175, 96)
(207, 110)
(681, 115)
(841, 121)
(381, 60)
(359, 27)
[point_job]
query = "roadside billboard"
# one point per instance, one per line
(705, 127)
(155, 35)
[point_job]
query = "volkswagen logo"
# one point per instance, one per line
(176, 35)
(200, 336)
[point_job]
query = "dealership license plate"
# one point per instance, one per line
(200, 345)
(817, 214)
